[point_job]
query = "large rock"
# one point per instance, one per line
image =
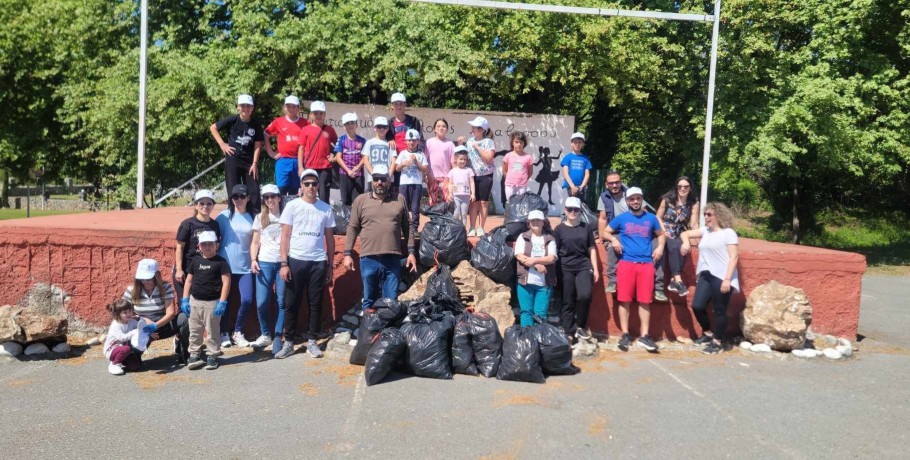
(417, 289)
(777, 315)
(9, 328)
(10, 349)
(41, 327)
(496, 304)
(36, 349)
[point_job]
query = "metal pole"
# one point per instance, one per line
(143, 49)
(709, 117)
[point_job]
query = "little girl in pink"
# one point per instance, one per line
(517, 165)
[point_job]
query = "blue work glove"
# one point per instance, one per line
(150, 327)
(220, 307)
(185, 306)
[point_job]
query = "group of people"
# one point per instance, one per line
(264, 244)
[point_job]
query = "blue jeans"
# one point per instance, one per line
(534, 300)
(380, 275)
(269, 274)
(244, 284)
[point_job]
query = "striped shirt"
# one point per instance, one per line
(151, 306)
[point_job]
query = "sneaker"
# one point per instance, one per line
(225, 340)
(681, 288)
(660, 296)
(195, 362)
(115, 369)
(181, 359)
(211, 363)
(480, 232)
(583, 334)
(713, 348)
(704, 339)
(262, 342)
(240, 340)
(313, 349)
(624, 342)
(286, 350)
(611, 287)
(671, 286)
(472, 233)
(647, 342)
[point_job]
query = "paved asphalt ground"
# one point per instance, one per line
(678, 404)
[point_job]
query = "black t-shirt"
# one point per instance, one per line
(573, 246)
(207, 277)
(188, 233)
(242, 135)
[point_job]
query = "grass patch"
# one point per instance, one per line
(6, 213)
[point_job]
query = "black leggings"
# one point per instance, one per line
(674, 257)
(351, 187)
(708, 289)
(325, 184)
(306, 276)
(576, 299)
(238, 173)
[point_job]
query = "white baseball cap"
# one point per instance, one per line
(536, 214)
(412, 135)
(309, 172)
(317, 106)
(380, 170)
(292, 100)
(204, 194)
(269, 188)
(460, 148)
(382, 121)
(245, 99)
(146, 269)
(348, 117)
(577, 136)
(207, 237)
(480, 122)
(398, 97)
(573, 202)
(632, 191)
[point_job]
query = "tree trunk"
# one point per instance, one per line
(4, 188)
(794, 225)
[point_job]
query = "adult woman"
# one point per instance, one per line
(266, 264)
(718, 253)
(480, 152)
(187, 241)
(153, 299)
(578, 260)
(236, 224)
(440, 152)
(535, 252)
(678, 212)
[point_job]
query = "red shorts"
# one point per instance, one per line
(634, 279)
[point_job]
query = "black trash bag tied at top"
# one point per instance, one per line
(555, 349)
(388, 348)
(476, 345)
(442, 283)
(520, 356)
(428, 347)
(370, 326)
(443, 240)
(493, 257)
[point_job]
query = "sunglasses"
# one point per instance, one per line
(309, 184)
(614, 183)
(573, 209)
(269, 196)
(207, 204)
(380, 179)
(683, 187)
(239, 197)
(709, 214)
(381, 127)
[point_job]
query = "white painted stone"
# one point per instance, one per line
(745, 345)
(353, 342)
(761, 348)
(813, 353)
(831, 353)
(62, 348)
(10, 349)
(93, 341)
(36, 349)
(343, 338)
(845, 351)
(800, 353)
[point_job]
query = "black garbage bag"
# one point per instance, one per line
(493, 257)
(519, 206)
(390, 312)
(439, 209)
(370, 326)
(520, 356)
(428, 347)
(387, 350)
(342, 219)
(462, 349)
(555, 350)
(432, 308)
(476, 345)
(441, 282)
(443, 240)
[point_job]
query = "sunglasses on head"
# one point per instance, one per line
(573, 209)
(309, 184)
(239, 197)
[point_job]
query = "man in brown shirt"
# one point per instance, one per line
(380, 220)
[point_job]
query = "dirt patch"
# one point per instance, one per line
(153, 381)
(78, 360)
(598, 426)
(309, 389)
(510, 398)
(345, 374)
(562, 386)
(644, 380)
(20, 383)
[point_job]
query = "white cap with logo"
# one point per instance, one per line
(203, 194)
(381, 170)
(244, 99)
(146, 269)
(412, 135)
(269, 189)
(292, 100)
(632, 191)
(480, 122)
(348, 118)
(380, 121)
(309, 172)
(573, 202)
(207, 237)
(317, 106)
(398, 97)
(536, 214)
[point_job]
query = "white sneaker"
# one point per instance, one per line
(225, 340)
(480, 232)
(240, 340)
(472, 233)
(115, 369)
(262, 342)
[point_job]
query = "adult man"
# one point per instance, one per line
(635, 271)
(316, 143)
(286, 129)
(399, 125)
(380, 220)
(612, 203)
(307, 243)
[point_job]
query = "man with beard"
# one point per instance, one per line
(380, 220)
(635, 270)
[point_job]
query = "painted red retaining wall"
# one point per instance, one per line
(93, 256)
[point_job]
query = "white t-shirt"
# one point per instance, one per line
(269, 239)
(308, 225)
(119, 334)
(713, 255)
(411, 175)
(537, 250)
(378, 152)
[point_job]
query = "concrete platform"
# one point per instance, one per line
(92, 257)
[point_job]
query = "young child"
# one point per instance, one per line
(376, 151)
(286, 130)
(480, 153)
(124, 331)
(440, 152)
(576, 168)
(412, 164)
(204, 301)
(461, 184)
(350, 162)
(517, 165)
